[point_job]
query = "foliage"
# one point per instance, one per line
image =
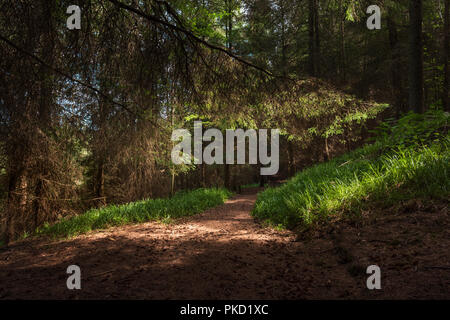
(374, 174)
(183, 203)
(313, 108)
(413, 129)
(65, 147)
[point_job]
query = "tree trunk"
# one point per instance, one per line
(283, 40)
(326, 155)
(445, 94)
(314, 39)
(415, 73)
(342, 55)
(28, 147)
(203, 172)
(218, 175)
(226, 176)
(16, 204)
(311, 38)
(317, 37)
(290, 159)
(45, 111)
(226, 173)
(172, 186)
(229, 23)
(99, 184)
(262, 179)
(395, 67)
(37, 205)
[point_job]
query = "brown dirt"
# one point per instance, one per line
(224, 254)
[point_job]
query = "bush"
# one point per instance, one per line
(413, 129)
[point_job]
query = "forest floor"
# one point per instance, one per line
(224, 254)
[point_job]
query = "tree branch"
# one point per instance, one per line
(190, 35)
(65, 75)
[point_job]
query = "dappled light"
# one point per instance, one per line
(224, 149)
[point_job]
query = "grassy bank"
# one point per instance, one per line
(413, 164)
(180, 205)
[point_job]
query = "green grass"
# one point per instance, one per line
(180, 205)
(370, 176)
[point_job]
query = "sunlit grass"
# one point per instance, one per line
(355, 181)
(181, 204)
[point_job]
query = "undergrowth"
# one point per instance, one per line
(182, 204)
(409, 159)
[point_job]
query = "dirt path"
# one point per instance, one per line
(220, 254)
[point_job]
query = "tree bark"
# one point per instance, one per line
(326, 155)
(395, 67)
(445, 93)
(203, 172)
(226, 176)
(99, 184)
(317, 37)
(311, 38)
(16, 202)
(45, 110)
(342, 55)
(172, 186)
(229, 23)
(415, 73)
(314, 38)
(283, 40)
(290, 159)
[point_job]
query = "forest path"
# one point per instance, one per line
(219, 254)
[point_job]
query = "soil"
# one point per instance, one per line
(224, 253)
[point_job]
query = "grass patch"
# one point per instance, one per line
(182, 204)
(369, 176)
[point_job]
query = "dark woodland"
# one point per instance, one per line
(86, 123)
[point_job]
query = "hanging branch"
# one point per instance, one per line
(189, 34)
(65, 75)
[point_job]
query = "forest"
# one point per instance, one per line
(92, 91)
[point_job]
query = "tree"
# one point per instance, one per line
(148, 67)
(415, 73)
(446, 57)
(314, 38)
(395, 53)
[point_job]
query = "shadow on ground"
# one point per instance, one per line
(224, 254)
